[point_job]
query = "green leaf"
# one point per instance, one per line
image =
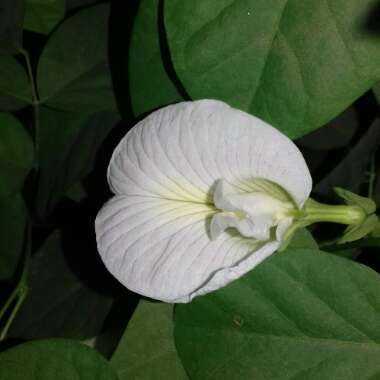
(11, 20)
(352, 199)
(16, 154)
(302, 239)
(73, 72)
(356, 232)
(301, 314)
(42, 16)
(12, 227)
(294, 64)
(59, 302)
(376, 91)
(150, 84)
(68, 144)
(146, 350)
(56, 359)
(15, 90)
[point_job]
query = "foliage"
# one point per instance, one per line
(68, 70)
(288, 319)
(147, 346)
(296, 84)
(54, 358)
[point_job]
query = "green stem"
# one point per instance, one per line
(9, 301)
(25, 54)
(318, 212)
(315, 212)
(19, 293)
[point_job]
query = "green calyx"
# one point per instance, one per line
(358, 214)
(315, 212)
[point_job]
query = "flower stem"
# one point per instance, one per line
(19, 293)
(315, 212)
(9, 301)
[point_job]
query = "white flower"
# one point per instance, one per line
(203, 194)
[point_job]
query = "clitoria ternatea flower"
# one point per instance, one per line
(203, 193)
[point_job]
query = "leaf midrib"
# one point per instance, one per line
(61, 89)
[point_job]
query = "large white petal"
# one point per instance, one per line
(153, 235)
(181, 150)
(161, 248)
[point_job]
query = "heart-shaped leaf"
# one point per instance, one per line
(294, 64)
(150, 84)
(15, 90)
(302, 314)
(146, 350)
(73, 72)
(16, 154)
(56, 359)
(42, 16)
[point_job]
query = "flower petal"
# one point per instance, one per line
(223, 220)
(181, 150)
(161, 248)
(154, 234)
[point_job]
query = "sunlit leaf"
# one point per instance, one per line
(303, 239)
(302, 314)
(294, 64)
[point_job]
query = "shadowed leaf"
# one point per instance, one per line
(56, 359)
